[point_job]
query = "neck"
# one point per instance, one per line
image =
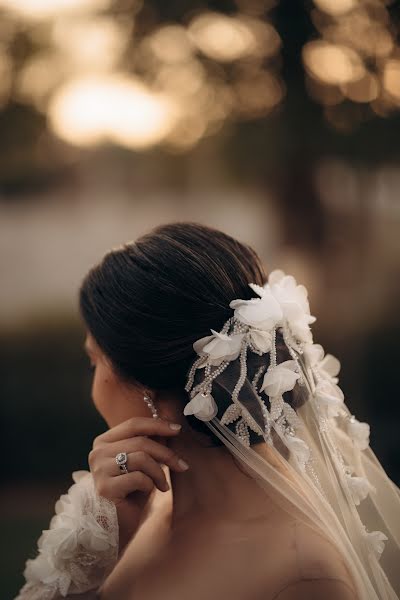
(214, 486)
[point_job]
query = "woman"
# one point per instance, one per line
(231, 467)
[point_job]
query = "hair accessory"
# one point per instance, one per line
(239, 385)
(282, 306)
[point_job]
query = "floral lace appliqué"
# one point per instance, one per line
(79, 549)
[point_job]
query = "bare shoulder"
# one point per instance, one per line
(317, 556)
(315, 589)
(312, 567)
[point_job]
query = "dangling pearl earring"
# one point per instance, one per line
(150, 404)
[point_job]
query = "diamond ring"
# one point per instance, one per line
(121, 459)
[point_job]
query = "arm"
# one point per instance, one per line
(79, 549)
(100, 513)
(315, 589)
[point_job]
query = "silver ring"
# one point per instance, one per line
(121, 459)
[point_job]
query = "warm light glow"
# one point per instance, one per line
(170, 44)
(39, 77)
(336, 7)
(182, 80)
(40, 9)
(365, 89)
(187, 133)
(332, 63)
(358, 31)
(328, 95)
(94, 43)
(380, 41)
(258, 93)
(5, 78)
(117, 109)
(267, 39)
(222, 37)
(391, 79)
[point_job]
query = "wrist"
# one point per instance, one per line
(80, 547)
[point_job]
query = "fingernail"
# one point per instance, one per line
(183, 464)
(175, 426)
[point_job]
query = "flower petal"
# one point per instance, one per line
(330, 364)
(376, 542)
(199, 344)
(202, 406)
(262, 313)
(329, 397)
(262, 340)
(359, 433)
(359, 487)
(280, 379)
(314, 353)
(275, 276)
(299, 448)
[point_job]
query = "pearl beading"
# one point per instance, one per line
(284, 421)
(281, 416)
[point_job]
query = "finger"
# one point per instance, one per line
(127, 483)
(137, 426)
(140, 461)
(158, 451)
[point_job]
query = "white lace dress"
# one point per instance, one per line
(79, 549)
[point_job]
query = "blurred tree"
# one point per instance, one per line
(245, 61)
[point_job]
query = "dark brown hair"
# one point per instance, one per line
(146, 302)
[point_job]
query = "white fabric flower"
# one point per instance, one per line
(42, 570)
(314, 353)
(376, 541)
(359, 433)
(328, 366)
(262, 313)
(219, 347)
(299, 448)
(61, 541)
(262, 340)
(293, 301)
(280, 379)
(202, 406)
(81, 545)
(329, 397)
(360, 487)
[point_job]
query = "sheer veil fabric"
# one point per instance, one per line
(272, 397)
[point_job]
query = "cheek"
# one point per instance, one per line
(102, 392)
(112, 399)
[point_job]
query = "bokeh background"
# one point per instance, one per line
(276, 121)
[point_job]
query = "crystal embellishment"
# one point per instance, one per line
(121, 458)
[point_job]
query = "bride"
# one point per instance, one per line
(231, 467)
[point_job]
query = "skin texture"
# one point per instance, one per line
(213, 525)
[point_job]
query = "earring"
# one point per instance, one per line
(150, 404)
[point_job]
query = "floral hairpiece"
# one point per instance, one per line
(282, 305)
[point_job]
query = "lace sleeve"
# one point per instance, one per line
(79, 549)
